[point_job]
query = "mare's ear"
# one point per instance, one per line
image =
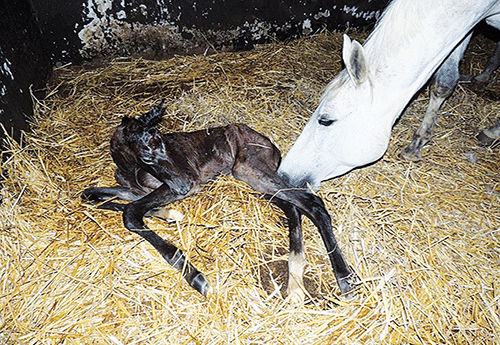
(355, 60)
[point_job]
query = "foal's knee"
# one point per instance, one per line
(133, 218)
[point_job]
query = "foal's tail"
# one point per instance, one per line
(152, 117)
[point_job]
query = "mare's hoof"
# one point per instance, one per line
(487, 140)
(410, 154)
(481, 81)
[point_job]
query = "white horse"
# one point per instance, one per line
(413, 41)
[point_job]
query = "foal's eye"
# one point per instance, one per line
(325, 122)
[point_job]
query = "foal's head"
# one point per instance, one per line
(139, 138)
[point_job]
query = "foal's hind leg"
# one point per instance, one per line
(309, 205)
(492, 65)
(95, 194)
(297, 257)
(444, 82)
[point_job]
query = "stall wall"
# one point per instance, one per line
(36, 35)
(86, 29)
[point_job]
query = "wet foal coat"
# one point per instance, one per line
(155, 169)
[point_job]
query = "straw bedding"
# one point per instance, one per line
(424, 237)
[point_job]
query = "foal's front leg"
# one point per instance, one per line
(492, 65)
(133, 215)
(95, 195)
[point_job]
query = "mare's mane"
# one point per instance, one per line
(398, 25)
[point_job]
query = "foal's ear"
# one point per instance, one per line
(355, 60)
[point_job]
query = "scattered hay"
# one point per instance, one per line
(424, 237)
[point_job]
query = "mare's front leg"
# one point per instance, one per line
(444, 82)
(133, 215)
(94, 195)
(423, 135)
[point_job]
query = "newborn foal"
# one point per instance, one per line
(155, 169)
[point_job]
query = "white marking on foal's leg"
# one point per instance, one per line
(296, 264)
(169, 214)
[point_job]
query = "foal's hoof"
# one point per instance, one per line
(168, 214)
(480, 82)
(200, 284)
(89, 195)
(486, 140)
(296, 296)
(410, 154)
(348, 285)
(171, 215)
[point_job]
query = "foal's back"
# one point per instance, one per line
(146, 158)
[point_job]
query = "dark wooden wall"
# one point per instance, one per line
(36, 35)
(24, 65)
(86, 29)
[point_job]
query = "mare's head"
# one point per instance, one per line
(343, 132)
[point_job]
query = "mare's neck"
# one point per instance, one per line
(409, 43)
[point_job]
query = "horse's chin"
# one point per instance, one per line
(299, 182)
(315, 186)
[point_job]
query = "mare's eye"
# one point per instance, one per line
(325, 122)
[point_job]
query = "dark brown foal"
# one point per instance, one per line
(155, 169)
